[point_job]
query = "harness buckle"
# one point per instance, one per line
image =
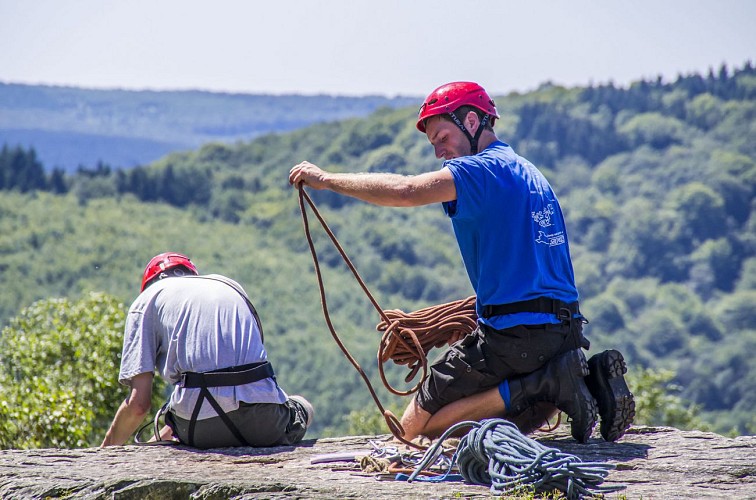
(564, 314)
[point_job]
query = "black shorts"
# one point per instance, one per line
(487, 356)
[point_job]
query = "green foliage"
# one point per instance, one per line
(21, 170)
(369, 421)
(747, 278)
(653, 129)
(59, 363)
(700, 209)
(657, 401)
(737, 311)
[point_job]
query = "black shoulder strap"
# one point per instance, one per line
(241, 292)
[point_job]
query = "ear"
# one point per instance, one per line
(472, 122)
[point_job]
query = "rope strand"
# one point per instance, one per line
(393, 423)
(426, 328)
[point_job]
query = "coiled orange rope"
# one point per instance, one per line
(429, 327)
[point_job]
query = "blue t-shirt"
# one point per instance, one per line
(511, 233)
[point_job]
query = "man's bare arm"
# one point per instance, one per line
(384, 189)
(132, 411)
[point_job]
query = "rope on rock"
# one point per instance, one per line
(496, 453)
(393, 460)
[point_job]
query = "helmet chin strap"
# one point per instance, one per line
(472, 138)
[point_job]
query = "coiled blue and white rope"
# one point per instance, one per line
(496, 453)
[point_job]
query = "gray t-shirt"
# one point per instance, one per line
(196, 324)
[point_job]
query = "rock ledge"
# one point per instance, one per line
(653, 462)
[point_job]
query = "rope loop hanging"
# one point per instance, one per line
(426, 329)
(407, 337)
(391, 420)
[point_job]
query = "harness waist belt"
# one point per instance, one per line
(235, 375)
(562, 310)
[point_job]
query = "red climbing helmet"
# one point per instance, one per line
(163, 262)
(447, 98)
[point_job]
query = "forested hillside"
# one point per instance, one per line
(657, 183)
(71, 127)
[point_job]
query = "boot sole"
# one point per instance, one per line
(582, 430)
(615, 401)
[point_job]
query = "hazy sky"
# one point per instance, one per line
(354, 47)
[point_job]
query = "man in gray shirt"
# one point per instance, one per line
(204, 336)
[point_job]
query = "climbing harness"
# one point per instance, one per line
(225, 377)
(496, 453)
(561, 310)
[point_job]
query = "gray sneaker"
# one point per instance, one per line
(305, 406)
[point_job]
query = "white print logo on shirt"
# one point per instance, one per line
(551, 240)
(543, 217)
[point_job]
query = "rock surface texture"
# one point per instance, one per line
(653, 462)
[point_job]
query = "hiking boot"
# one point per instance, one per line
(536, 417)
(615, 401)
(561, 382)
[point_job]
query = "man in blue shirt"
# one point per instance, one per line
(526, 354)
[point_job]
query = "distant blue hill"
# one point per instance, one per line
(71, 127)
(71, 149)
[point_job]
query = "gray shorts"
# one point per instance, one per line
(487, 356)
(261, 424)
